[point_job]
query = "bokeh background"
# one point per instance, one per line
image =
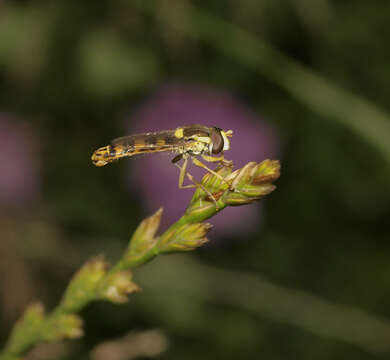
(305, 274)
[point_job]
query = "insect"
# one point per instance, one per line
(187, 142)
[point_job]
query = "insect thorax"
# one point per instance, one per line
(195, 147)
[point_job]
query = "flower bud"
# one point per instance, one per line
(26, 328)
(253, 181)
(62, 326)
(142, 242)
(117, 286)
(202, 205)
(187, 237)
(82, 287)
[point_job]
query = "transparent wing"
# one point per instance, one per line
(161, 139)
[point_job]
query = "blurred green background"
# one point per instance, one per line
(310, 280)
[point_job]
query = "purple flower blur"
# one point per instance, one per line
(19, 163)
(175, 105)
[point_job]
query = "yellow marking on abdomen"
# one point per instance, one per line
(99, 157)
(110, 153)
(106, 154)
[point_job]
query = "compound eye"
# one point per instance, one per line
(217, 141)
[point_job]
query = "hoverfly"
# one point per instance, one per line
(187, 142)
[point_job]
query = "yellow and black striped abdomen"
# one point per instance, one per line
(106, 154)
(136, 144)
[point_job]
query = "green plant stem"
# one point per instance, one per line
(95, 281)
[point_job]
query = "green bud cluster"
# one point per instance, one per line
(233, 188)
(96, 281)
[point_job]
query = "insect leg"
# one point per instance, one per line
(212, 158)
(183, 173)
(203, 166)
(221, 158)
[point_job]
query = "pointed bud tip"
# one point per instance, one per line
(208, 226)
(97, 263)
(143, 238)
(118, 286)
